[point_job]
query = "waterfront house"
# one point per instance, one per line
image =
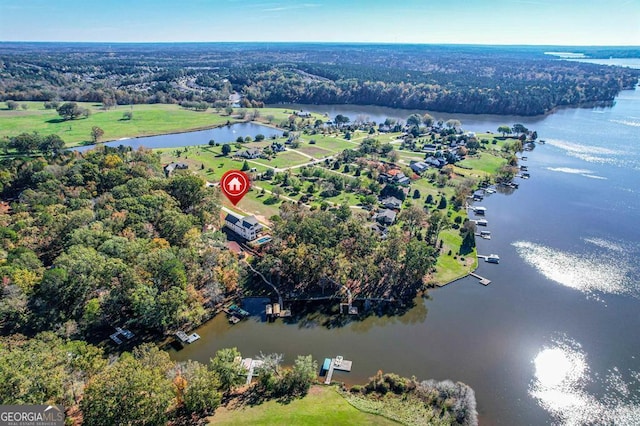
(247, 227)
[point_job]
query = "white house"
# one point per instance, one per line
(247, 227)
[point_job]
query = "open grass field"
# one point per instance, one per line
(333, 143)
(214, 165)
(322, 406)
(147, 120)
(284, 159)
(277, 115)
(315, 151)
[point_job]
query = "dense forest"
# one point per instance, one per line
(319, 250)
(103, 239)
(458, 79)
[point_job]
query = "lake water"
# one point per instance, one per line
(225, 134)
(555, 338)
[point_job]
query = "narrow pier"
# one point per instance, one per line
(344, 365)
(250, 365)
(483, 280)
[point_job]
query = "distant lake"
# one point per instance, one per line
(621, 62)
(226, 134)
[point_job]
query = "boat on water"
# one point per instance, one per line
(480, 210)
(482, 222)
(493, 258)
(184, 338)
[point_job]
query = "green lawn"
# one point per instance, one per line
(147, 120)
(448, 268)
(284, 159)
(260, 205)
(281, 114)
(486, 162)
(323, 406)
(195, 157)
(333, 143)
(315, 151)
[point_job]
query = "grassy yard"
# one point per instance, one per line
(284, 159)
(333, 143)
(448, 268)
(322, 406)
(195, 157)
(315, 151)
(260, 205)
(484, 162)
(147, 120)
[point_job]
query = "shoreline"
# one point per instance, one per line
(179, 132)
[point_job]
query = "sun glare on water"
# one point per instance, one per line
(559, 385)
(606, 272)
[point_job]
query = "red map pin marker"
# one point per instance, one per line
(234, 184)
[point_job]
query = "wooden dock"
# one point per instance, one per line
(483, 280)
(250, 365)
(345, 365)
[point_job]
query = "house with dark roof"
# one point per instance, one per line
(277, 147)
(391, 203)
(250, 153)
(429, 147)
(247, 227)
(171, 167)
(419, 167)
(385, 217)
(401, 179)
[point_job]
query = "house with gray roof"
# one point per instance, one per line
(171, 167)
(250, 153)
(419, 167)
(392, 203)
(247, 227)
(386, 217)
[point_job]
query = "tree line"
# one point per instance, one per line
(462, 79)
(143, 386)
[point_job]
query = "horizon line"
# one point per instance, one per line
(326, 42)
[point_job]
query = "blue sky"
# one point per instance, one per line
(553, 22)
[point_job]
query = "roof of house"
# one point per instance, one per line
(387, 214)
(172, 166)
(232, 218)
(394, 172)
(249, 221)
(391, 200)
